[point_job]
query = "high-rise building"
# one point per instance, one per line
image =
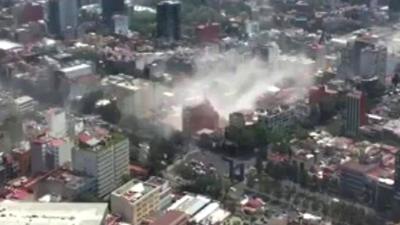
(394, 9)
(168, 20)
(364, 57)
(198, 117)
(136, 200)
(62, 16)
(355, 112)
(102, 155)
(111, 8)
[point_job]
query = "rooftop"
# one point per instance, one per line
(21, 213)
(134, 190)
(6, 45)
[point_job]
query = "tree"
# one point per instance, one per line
(109, 112)
(88, 102)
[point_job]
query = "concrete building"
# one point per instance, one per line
(24, 213)
(135, 96)
(65, 184)
(49, 153)
(25, 104)
(355, 112)
(136, 200)
(373, 62)
(57, 122)
(62, 16)
(104, 155)
(76, 81)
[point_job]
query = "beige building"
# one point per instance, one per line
(137, 200)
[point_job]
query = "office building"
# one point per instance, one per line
(111, 8)
(104, 155)
(136, 200)
(355, 112)
(27, 213)
(62, 17)
(168, 21)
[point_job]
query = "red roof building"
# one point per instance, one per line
(172, 218)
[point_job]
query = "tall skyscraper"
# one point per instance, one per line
(168, 20)
(355, 112)
(62, 16)
(111, 8)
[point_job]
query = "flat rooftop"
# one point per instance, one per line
(33, 213)
(134, 190)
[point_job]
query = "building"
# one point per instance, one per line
(137, 200)
(190, 204)
(25, 104)
(25, 12)
(62, 17)
(198, 117)
(76, 81)
(121, 24)
(394, 9)
(111, 8)
(103, 155)
(19, 213)
(355, 112)
(364, 57)
(22, 156)
(172, 218)
(208, 33)
(168, 21)
(373, 61)
(134, 96)
(57, 122)
(48, 153)
(65, 184)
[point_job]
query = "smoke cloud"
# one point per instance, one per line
(234, 81)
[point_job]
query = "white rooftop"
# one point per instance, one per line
(23, 99)
(24, 213)
(6, 45)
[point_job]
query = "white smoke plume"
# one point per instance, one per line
(234, 81)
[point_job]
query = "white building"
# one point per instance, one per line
(25, 104)
(35, 213)
(134, 201)
(106, 158)
(57, 122)
(135, 96)
(373, 62)
(77, 81)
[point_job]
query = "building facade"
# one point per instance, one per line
(107, 160)
(62, 16)
(168, 21)
(355, 113)
(135, 201)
